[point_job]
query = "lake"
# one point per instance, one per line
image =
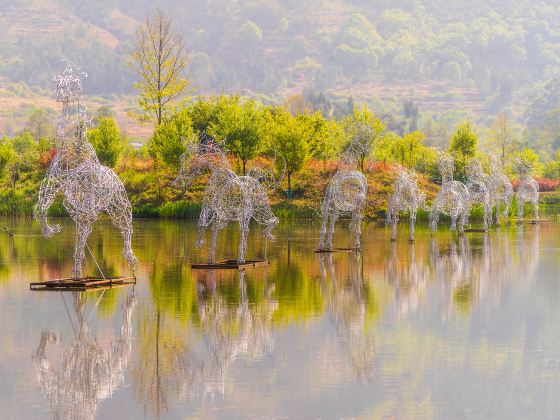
(447, 327)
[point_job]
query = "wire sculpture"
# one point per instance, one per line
(478, 184)
(453, 198)
(501, 190)
(406, 198)
(346, 193)
(88, 372)
(88, 187)
(528, 190)
(227, 197)
(346, 305)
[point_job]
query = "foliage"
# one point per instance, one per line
(169, 139)
(464, 145)
(107, 141)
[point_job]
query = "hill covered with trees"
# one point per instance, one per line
(477, 57)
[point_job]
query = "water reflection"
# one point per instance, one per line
(87, 372)
(346, 306)
(403, 330)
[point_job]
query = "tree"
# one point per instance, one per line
(292, 139)
(242, 127)
(364, 128)
(7, 154)
(160, 59)
(107, 141)
(169, 139)
(464, 144)
(38, 125)
(501, 136)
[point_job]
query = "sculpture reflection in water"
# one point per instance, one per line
(347, 308)
(408, 281)
(453, 199)
(88, 187)
(231, 331)
(476, 270)
(406, 198)
(501, 190)
(228, 196)
(88, 372)
(528, 189)
(346, 193)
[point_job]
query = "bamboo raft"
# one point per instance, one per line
(230, 264)
(82, 283)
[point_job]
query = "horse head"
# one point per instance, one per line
(446, 164)
(69, 84)
(198, 159)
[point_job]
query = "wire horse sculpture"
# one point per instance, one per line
(88, 187)
(88, 372)
(501, 190)
(453, 198)
(347, 190)
(528, 190)
(227, 197)
(406, 198)
(478, 184)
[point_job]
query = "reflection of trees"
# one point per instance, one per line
(407, 279)
(167, 367)
(346, 304)
(88, 372)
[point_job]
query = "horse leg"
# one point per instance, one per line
(83, 230)
(412, 223)
(330, 233)
(356, 227)
(121, 216)
(216, 226)
(520, 204)
(434, 218)
(454, 216)
(463, 220)
(536, 210)
(244, 227)
(203, 222)
(47, 195)
(324, 224)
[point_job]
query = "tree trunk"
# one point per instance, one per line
(290, 185)
(244, 162)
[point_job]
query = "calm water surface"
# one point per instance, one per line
(446, 328)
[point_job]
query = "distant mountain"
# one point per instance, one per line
(478, 56)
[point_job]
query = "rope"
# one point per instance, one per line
(95, 261)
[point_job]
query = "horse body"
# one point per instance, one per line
(406, 198)
(227, 197)
(345, 194)
(453, 199)
(478, 185)
(501, 193)
(528, 190)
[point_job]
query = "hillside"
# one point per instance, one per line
(455, 59)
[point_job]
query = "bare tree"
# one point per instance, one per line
(160, 59)
(502, 136)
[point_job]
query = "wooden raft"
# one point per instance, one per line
(320, 251)
(230, 264)
(82, 283)
(475, 230)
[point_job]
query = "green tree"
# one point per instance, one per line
(364, 128)
(242, 127)
(169, 139)
(464, 145)
(292, 139)
(160, 59)
(107, 141)
(7, 154)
